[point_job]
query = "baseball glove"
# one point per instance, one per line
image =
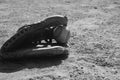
(27, 35)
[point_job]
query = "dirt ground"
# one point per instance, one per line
(94, 47)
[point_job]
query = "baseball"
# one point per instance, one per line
(61, 35)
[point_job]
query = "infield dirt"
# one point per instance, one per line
(94, 45)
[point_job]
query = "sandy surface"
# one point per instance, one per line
(94, 46)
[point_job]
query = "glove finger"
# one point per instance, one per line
(31, 52)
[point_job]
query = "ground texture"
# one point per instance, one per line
(94, 46)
